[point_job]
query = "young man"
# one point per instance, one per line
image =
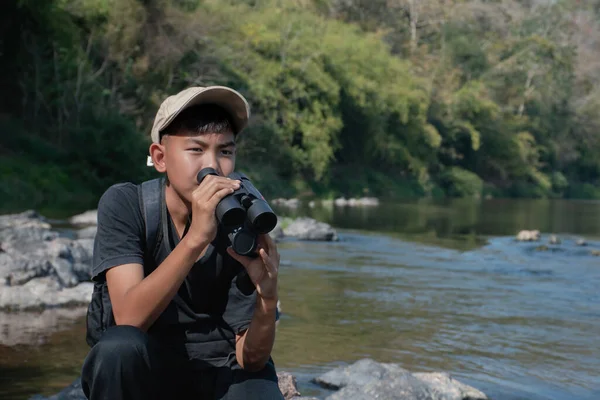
(180, 327)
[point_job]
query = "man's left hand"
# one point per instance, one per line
(263, 269)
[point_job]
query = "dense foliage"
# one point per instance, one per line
(393, 98)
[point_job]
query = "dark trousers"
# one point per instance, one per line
(129, 364)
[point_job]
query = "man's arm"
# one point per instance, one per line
(139, 301)
(253, 347)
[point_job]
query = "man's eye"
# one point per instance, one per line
(198, 149)
(227, 152)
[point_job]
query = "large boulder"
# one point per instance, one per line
(39, 268)
(288, 203)
(368, 379)
(528, 236)
(310, 229)
(85, 219)
(356, 202)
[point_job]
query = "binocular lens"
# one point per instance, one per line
(262, 217)
(230, 212)
(243, 242)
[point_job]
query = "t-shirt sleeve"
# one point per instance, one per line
(120, 235)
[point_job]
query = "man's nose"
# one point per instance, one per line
(210, 161)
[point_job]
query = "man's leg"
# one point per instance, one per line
(126, 364)
(235, 383)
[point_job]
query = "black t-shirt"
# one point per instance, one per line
(208, 310)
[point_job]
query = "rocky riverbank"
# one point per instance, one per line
(364, 380)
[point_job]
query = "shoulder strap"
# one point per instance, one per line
(149, 194)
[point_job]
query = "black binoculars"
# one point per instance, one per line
(244, 214)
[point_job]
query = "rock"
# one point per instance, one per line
(310, 229)
(364, 202)
(356, 202)
(554, 240)
(44, 293)
(289, 203)
(287, 385)
(87, 233)
(277, 232)
(581, 242)
(368, 379)
(341, 202)
(542, 247)
(38, 268)
(528, 236)
(360, 373)
(446, 385)
(87, 218)
(595, 253)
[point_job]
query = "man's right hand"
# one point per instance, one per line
(205, 199)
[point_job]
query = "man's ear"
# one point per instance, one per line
(157, 153)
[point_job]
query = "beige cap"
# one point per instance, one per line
(232, 101)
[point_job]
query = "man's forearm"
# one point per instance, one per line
(254, 348)
(149, 298)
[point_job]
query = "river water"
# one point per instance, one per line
(433, 286)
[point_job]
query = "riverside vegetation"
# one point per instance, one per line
(385, 98)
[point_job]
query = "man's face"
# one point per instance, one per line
(186, 154)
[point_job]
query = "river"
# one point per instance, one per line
(429, 285)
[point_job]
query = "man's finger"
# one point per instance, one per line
(268, 262)
(273, 252)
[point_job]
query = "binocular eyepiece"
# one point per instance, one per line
(244, 214)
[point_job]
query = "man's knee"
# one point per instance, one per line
(121, 346)
(240, 383)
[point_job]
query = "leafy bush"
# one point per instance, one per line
(458, 182)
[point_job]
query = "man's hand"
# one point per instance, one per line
(205, 199)
(262, 270)
(253, 347)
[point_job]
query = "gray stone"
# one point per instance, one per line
(277, 232)
(87, 233)
(38, 268)
(310, 229)
(368, 379)
(528, 236)
(360, 373)
(443, 383)
(84, 219)
(287, 385)
(43, 293)
(356, 202)
(288, 203)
